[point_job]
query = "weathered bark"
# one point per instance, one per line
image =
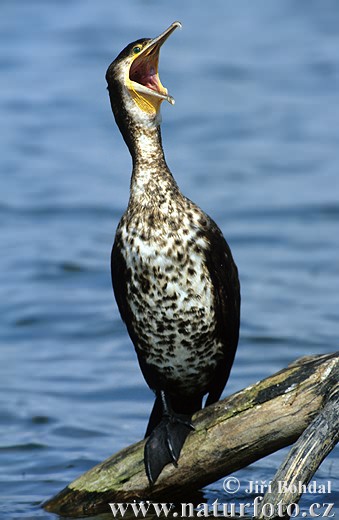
(304, 458)
(228, 436)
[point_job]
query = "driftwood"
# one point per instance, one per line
(304, 458)
(299, 401)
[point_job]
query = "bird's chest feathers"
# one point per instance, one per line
(167, 264)
(168, 288)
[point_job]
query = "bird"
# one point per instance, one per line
(174, 278)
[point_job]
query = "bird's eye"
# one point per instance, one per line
(136, 49)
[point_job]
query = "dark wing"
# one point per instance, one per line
(120, 278)
(224, 275)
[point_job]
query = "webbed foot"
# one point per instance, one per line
(165, 442)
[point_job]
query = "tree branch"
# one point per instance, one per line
(228, 436)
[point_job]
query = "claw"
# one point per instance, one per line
(170, 447)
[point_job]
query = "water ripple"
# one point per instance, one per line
(253, 139)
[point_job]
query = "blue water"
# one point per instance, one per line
(253, 139)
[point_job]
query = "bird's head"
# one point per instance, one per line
(133, 77)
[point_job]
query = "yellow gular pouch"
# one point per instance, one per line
(148, 103)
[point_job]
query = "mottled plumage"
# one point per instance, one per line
(174, 280)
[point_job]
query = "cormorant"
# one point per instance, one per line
(174, 278)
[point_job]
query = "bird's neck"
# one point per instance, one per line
(151, 177)
(145, 145)
(152, 181)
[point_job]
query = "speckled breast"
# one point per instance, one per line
(171, 297)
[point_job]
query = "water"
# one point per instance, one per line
(253, 139)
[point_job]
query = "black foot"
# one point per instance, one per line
(165, 443)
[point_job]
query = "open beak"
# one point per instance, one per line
(143, 73)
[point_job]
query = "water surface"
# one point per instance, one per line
(253, 139)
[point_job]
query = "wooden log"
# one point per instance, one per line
(304, 458)
(228, 436)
